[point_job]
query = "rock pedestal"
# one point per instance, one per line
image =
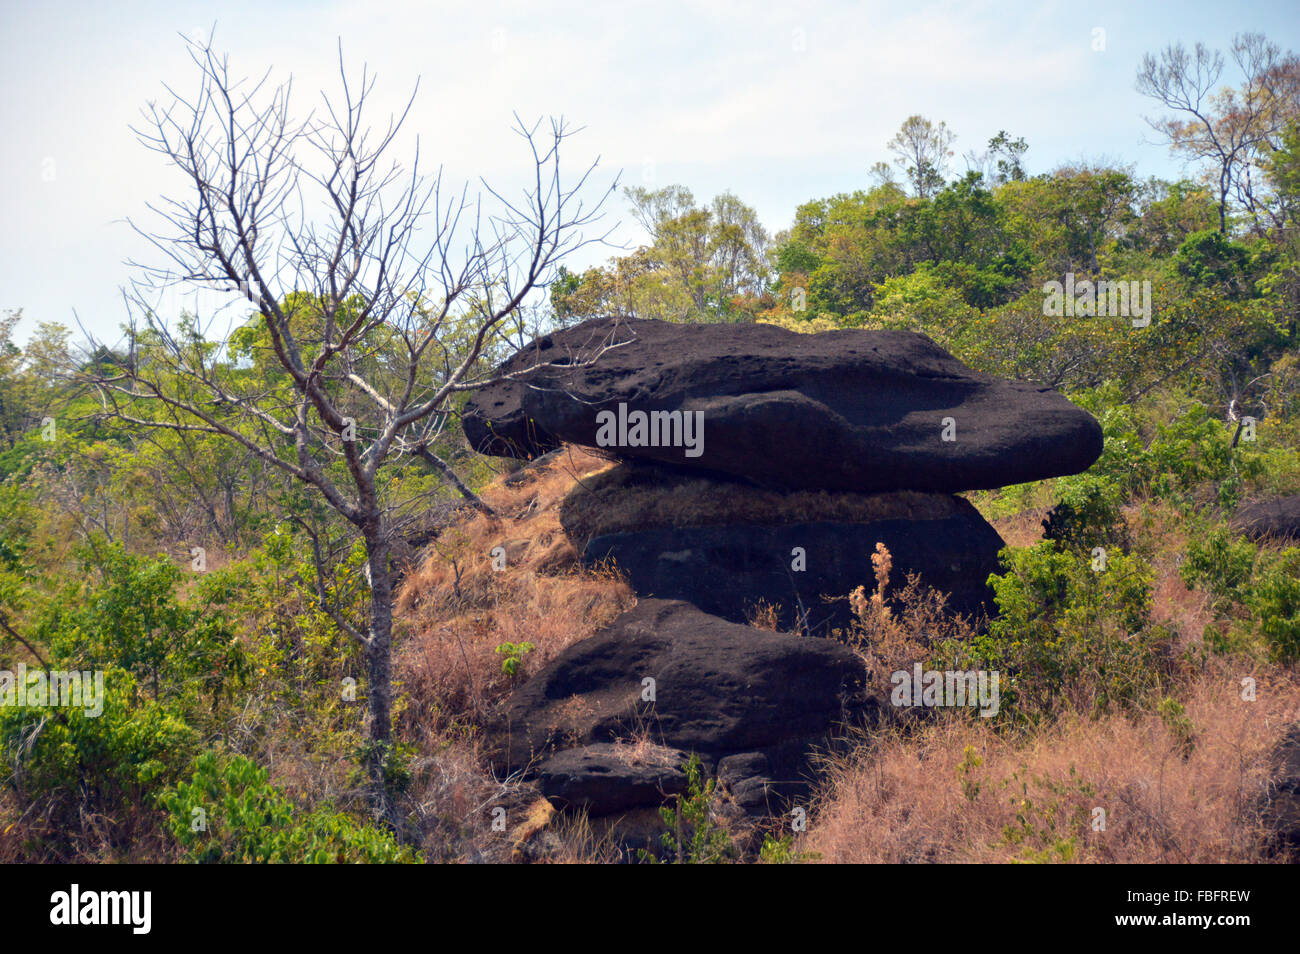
(759, 467)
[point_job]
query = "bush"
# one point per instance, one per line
(1088, 514)
(1255, 593)
(691, 835)
(1069, 635)
(131, 618)
(1274, 600)
(229, 813)
(1220, 562)
(71, 765)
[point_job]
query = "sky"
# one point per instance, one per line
(778, 103)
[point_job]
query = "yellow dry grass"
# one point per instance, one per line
(491, 581)
(957, 791)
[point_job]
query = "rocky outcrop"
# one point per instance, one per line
(805, 570)
(729, 548)
(1281, 808)
(1278, 518)
(841, 410)
(760, 468)
(612, 777)
(681, 679)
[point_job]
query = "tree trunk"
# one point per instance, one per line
(379, 674)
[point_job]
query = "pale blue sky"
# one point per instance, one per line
(778, 103)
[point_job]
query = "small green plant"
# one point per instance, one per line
(1174, 716)
(1048, 831)
(780, 850)
(970, 761)
(514, 654)
(692, 837)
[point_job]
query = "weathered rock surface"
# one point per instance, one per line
(1282, 800)
(839, 410)
(719, 689)
(729, 570)
(1279, 518)
(605, 777)
(727, 546)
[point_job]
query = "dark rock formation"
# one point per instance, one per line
(1281, 813)
(605, 777)
(728, 570)
(726, 546)
(1278, 518)
(718, 689)
(840, 410)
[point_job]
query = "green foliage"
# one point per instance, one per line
(1068, 634)
(1189, 457)
(228, 813)
(67, 763)
(1088, 514)
(514, 654)
(1222, 563)
(1052, 816)
(1274, 600)
(781, 850)
(692, 836)
(1174, 715)
(127, 614)
(970, 761)
(1208, 258)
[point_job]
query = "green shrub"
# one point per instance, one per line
(1219, 562)
(691, 836)
(1067, 634)
(1274, 600)
(1088, 514)
(130, 617)
(70, 764)
(229, 813)
(514, 654)
(1255, 592)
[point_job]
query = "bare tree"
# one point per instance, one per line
(372, 311)
(1228, 127)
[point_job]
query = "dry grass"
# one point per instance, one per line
(1022, 529)
(896, 627)
(489, 581)
(484, 582)
(955, 790)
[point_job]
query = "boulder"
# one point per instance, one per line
(689, 681)
(840, 410)
(612, 777)
(1281, 803)
(727, 547)
(1279, 518)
